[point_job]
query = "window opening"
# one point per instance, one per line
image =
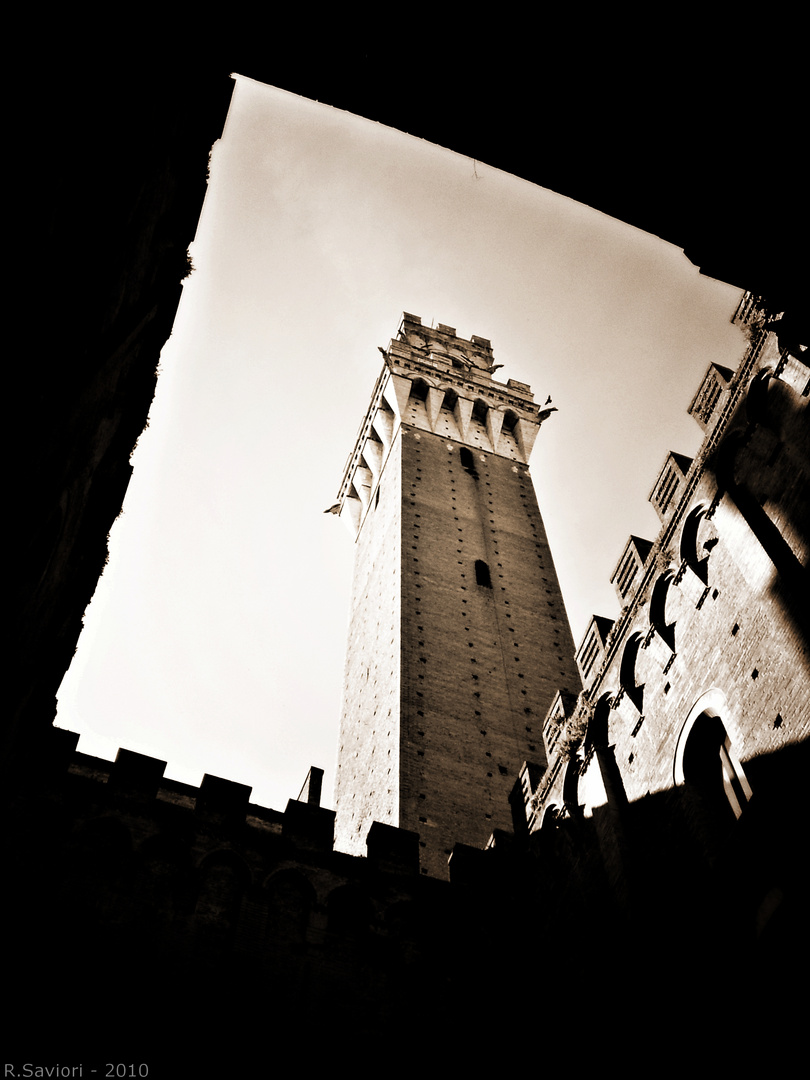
(468, 461)
(482, 576)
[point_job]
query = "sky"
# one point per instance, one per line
(215, 640)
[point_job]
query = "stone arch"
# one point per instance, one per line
(756, 398)
(480, 411)
(706, 757)
(551, 817)
(691, 545)
(571, 786)
(658, 609)
(598, 727)
(627, 671)
(714, 703)
(510, 419)
(449, 400)
(419, 388)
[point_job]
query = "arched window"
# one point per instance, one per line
(480, 410)
(419, 389)
(706, 760)
(510, 420)
(711, 768)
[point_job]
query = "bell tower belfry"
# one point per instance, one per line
(458, 636)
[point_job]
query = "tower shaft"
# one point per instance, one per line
(458, 637)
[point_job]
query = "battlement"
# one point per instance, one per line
(442, 344)
(469, 363)
(216, 817)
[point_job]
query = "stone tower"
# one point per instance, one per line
(458, 636)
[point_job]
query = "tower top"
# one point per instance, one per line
(436, 382)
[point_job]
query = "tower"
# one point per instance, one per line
(458, 637)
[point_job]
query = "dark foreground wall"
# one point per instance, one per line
(191, 930)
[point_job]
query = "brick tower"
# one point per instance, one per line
(458, 637)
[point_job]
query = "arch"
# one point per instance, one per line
(419, 389)
(598, 734)
(627, 671)
(603, 769)
(571, 786)
(689, 550)
(658, 606)
(480, 410)
(706, 757)
(551, 817)
(510, 420)
(756, 398)
(449, 400)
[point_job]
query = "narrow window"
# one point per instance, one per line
(482, 574)
(468, 461)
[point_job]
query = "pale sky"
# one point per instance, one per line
(216, 637)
